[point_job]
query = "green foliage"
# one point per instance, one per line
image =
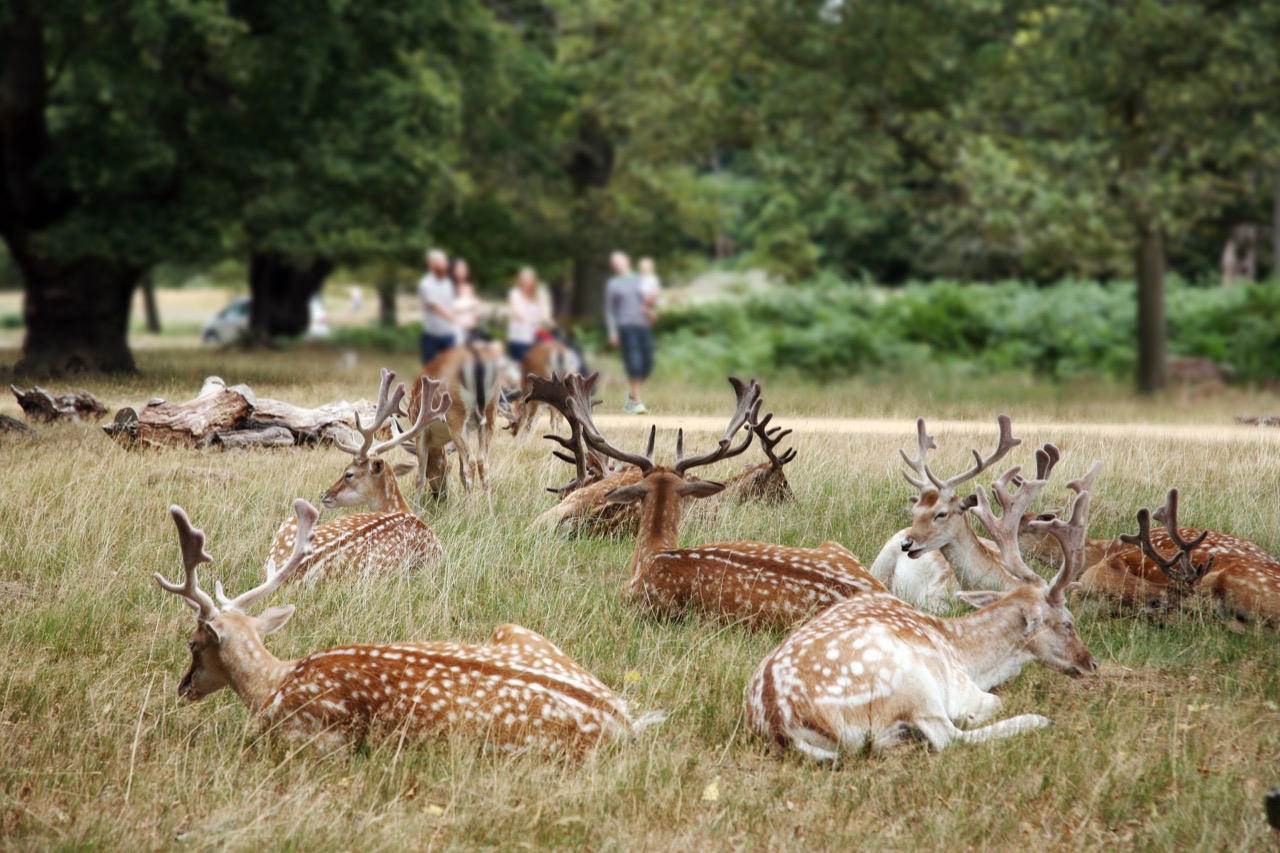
(828, 329)
(397, 339)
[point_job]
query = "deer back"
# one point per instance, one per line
(362, 544)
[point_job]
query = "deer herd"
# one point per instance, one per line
(870, 658)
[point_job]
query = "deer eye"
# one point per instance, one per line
(1068, 626)
(940, 516)
(191, 646)
(350, 474)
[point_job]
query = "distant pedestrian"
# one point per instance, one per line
(650, 287)
(628, 317)
(439, 326)
(466, 304)
(528, 313)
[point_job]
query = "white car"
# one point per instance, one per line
(231, 323)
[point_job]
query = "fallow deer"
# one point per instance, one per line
(765, 481)
(751, 583)
(516, 690)
(1239, 575)
(546, 360)
(469, 374)
(872, 669)
(388, 538)
(929, 562)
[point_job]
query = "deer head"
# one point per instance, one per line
(1184, 573)
(768, 481)
(1048, 628)
(938, 515)
(226, 648)
(370, 479)
(589, 465)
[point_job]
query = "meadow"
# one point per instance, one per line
(1169, 746)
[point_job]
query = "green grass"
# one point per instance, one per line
(1170, 746)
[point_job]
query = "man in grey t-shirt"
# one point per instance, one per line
(439, 329)
(626, 312)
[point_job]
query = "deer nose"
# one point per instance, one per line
(907, 544)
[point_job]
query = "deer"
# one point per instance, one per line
(546, 360)
(873, 669)
(1239, 575)
(516, 690)
(470, 375)
(765, 482)
(388, 538)
(754, 584)
(929, 562)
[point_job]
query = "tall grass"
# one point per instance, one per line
(1170, 746)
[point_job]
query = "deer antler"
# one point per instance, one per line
(771, 438)
(1004, 530)
(386, 408)
(579, 402)
(555, 393)
(307, 515)
(748, 394)
(1005, 443)
(1046, 457)
(924, 443)
(1071, 536)
(191, 540)
(427, 413)
(1180, 568)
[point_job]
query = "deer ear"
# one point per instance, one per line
(403, 468)
(375, 465)
(626, 494)
(700, 488)
(978, 598)
(273, 619)
(967, 503)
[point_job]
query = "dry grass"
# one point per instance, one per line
(1170, 746)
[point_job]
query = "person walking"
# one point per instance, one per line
(439, 326)
(466, 304)
(628, 315)
(527, 314)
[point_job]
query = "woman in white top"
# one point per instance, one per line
(466, 305)
(527, 313)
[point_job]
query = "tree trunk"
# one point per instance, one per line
(1275, 230)
(590, 168)
(149, 303)
(281, 289)
(386, 296)
(1153, 373)
(77, 317)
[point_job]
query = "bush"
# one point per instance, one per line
(829, 329)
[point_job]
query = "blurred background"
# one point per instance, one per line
(1069, 190)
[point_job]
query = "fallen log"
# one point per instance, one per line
(43, 407)
(1259, 420)
(275, 436)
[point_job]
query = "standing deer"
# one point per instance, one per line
(516, 690)
(753, 583)
(872, 669)
(547, 360)
(388, 538)
(1242, 577)
(927, 563)
(469, 375)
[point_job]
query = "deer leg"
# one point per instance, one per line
(485, 437)
(1003, 728)
(458, 430)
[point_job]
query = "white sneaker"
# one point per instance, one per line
(629, 407)
(640, 409)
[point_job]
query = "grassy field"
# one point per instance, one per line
(1170, 746)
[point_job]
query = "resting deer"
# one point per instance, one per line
(1242, 577)
(516, 690)
(547, 360)
(927, 563)
(469, 375)
(752, 583)
(388, 538)
(765, 481)
(873, 668)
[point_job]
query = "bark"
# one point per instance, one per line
(149, 303)
(1275, 229)
(590, 168)
(42, 407)
(281, 289)
(1153, 370)
(77, 317)
(386, 297)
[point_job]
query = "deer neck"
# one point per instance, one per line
(389, 498)
(974, 562)
(660, 514)
(252, 671)
(990, 642)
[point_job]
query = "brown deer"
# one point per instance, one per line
(873, 669)
(388, 538)
(751, 583)
(469, 374)
(1238, 574)
(516, 690)
(765, 482)
(941, 550)
(546, 360)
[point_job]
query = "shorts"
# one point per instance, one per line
(637, 350)
(517, 350)
(432, 345)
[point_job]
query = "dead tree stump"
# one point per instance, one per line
(43, 407)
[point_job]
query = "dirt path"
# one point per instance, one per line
(904, 429)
